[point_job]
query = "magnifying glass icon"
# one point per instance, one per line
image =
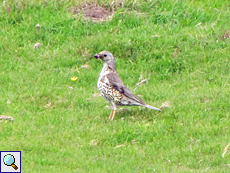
(9, 160)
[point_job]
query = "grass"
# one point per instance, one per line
(61, 127)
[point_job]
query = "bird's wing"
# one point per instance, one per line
(116, 83)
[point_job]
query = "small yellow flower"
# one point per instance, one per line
(74, 78)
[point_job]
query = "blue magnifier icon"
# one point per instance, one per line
(9, 160)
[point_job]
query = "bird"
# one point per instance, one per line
(112, 88)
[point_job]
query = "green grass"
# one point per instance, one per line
(64, 129)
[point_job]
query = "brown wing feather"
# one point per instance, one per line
(116, 83)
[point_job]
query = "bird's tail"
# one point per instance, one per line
(151, 107)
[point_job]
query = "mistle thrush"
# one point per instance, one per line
(112, 88)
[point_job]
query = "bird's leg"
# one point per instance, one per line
(110, 116)
(114, 112)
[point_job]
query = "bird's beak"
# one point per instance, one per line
(96, 56)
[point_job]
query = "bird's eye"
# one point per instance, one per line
(105, 55)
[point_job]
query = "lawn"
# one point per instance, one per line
(60, 125)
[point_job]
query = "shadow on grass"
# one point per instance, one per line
(135, 113)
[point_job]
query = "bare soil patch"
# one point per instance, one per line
(93, 12)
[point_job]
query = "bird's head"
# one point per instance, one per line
(106, 56)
